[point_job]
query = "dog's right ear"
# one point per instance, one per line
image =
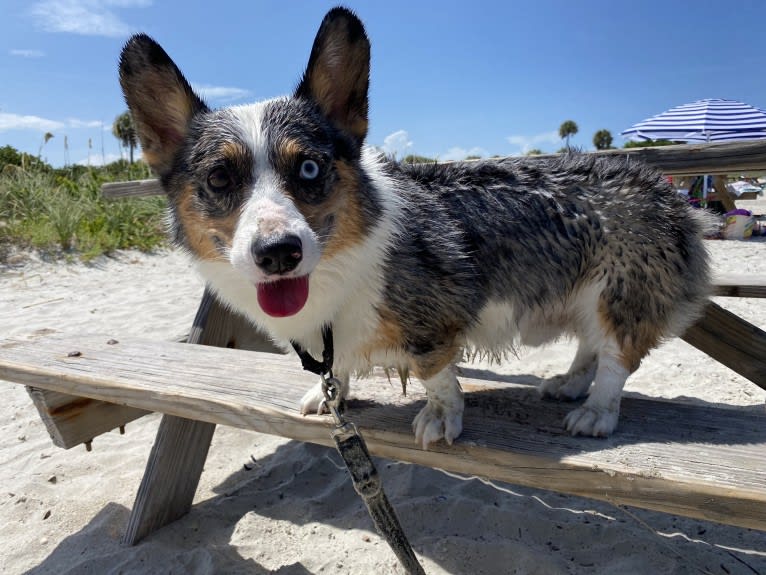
(160, 100)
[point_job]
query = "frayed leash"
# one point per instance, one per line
(353, 451)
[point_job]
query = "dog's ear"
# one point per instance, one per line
(338, 73)
(160, 100)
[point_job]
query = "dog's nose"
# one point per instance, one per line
(278, 257)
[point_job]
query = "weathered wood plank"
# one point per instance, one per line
(682, 160)
(177, 458)
(697, 159)
(180, 449)
(72, 420)
(732, 341)
(710, 466)
(740, 285)
(133, 189)
(172, 474)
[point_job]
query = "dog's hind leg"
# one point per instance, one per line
(575, 382)
(443, 414)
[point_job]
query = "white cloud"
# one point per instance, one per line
(85, 17)
(397, 144)
(128, 3)
(220, 93)
(456, 153)
(96, 159)
(75, 123)
(26, 53)
(526, 143)
(18, 122)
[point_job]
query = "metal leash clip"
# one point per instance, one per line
(331, 387)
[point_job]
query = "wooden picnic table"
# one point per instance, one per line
(711, 467)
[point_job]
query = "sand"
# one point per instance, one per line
(294, 511)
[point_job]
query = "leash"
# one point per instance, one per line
(353, 451)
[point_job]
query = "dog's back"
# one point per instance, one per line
(532, 233)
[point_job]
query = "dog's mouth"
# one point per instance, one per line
(285, 297)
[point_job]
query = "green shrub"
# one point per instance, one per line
(649, 143)
(62, 210)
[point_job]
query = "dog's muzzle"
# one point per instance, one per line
(278, 257)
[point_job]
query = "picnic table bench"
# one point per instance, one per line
(710, 466)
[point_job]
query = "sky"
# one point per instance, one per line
(448, 79)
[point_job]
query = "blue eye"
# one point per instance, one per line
(309, 170)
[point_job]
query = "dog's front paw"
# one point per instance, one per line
(587, 420)
(436, 421)
(312, 400)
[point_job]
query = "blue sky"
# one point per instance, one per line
(448, 78)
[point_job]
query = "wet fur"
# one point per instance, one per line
(411, 265)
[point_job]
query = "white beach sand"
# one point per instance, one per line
(295, 512)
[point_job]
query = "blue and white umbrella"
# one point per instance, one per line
(709, 120)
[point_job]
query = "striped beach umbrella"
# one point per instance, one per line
(709, 120)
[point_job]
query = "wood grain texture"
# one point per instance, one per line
(135, 188)
(681, 160)
(734, 342)
(71, 420)
(696, 460)
(740, 285)
(177, 458)
(172, 474)
(180, 449)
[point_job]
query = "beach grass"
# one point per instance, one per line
(61, 211)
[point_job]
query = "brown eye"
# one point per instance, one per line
(219, 179)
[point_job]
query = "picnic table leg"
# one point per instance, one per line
(731, 340)
(180, 448)
(171, 477)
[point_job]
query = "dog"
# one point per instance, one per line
(297, 224)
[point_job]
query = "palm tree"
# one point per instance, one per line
(602, 140)
(47, 136)
(567, 129)
(125, 131)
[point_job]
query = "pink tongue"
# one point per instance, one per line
(283, 298)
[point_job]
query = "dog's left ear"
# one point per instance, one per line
(338, 73)
(160, 99)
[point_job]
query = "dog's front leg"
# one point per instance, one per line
(443, 414)
(313, 398)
